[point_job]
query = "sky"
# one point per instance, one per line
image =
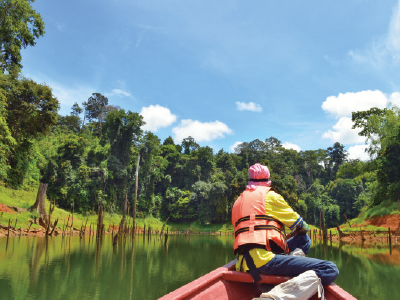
(226, 72)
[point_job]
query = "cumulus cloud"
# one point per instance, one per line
(233, 147)
(358, 152)
(157, 116)
(395, 99)
(251, 106)
(343, 133)
(344, 104)
(288, 145)
(201, 132)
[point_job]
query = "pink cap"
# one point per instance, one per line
(258, 171)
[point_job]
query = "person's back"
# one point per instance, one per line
(258, 217)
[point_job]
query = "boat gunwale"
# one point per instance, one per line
(228, 273)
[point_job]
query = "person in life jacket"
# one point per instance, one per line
(259, 216)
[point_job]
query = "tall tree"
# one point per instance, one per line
(20, 26)
(76, 110)
(95, 108)
(122, 131)
(150, 173)
(205, 160)
(32, 108)
(310, 167)
(32, 111)
(338, 156)
(7, 142)
(382, 128)
(189, 145)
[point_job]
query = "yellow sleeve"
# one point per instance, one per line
(277, 207)
(260, 257)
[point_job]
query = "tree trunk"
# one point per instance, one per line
(345, 217)
(162, 228)
(99, 232)
(339, 231)
(136, 188)
(122, 224)
(41, 196)
(324, 230)
(40, 204)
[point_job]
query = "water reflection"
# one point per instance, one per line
(366, 271)
(145, 267)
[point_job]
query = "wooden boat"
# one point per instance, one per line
(225, 283)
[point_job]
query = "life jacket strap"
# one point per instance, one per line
(257, 217)
(252, 267)
(259, 227)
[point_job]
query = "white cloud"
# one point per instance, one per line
(358, 152)
(384, 51)
(288, 145)
(118, 92)
(70, 95)
(233, 147)
(121, 93)
(251, 106)
(66, 95)
(201, 132)
(395, 99)
(393, 39)
(345, 104)
(157, 116)
(343, 133)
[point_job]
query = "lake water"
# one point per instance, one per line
(143, 268)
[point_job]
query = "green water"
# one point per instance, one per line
(74, 268)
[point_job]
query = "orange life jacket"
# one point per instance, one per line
(253, 227)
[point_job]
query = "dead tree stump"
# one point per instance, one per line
(40, 204)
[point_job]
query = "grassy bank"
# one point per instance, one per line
(383, 209)
(25, 199)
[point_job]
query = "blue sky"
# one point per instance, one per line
(226, 71)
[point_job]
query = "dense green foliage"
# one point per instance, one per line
(184, 182)
(94, 159)
(20, 26)
(382, 128)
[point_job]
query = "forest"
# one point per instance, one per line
(91, 156)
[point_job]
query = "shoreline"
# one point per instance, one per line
(365, 239)
(58, 231)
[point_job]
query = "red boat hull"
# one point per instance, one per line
(226, 284)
